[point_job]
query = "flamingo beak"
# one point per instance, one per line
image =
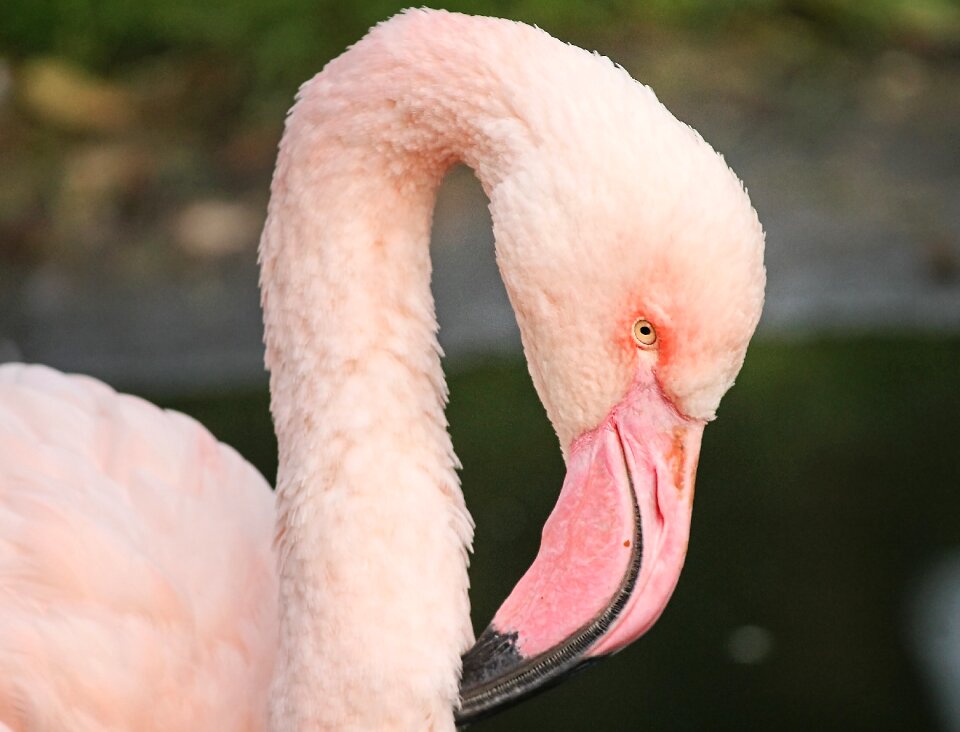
(610, 556)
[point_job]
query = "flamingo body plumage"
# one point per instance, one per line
(142, 559)
(116, 612)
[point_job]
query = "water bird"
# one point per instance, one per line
(149, 577)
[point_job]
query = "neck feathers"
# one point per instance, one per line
(372, 530)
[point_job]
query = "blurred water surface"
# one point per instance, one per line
(824, 495)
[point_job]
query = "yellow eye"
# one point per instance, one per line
(644, 333)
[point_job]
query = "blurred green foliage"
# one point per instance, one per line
(283, 41)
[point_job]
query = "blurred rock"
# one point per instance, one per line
(214, 228)
(98, 182)
(65, 96)
(896, 80)
(902, 75)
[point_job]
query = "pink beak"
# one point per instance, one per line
(609, 559)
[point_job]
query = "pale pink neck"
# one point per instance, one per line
(372, 530)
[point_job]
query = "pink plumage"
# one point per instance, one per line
(148, 579)
(137, 582)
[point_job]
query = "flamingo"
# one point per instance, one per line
(150, 579)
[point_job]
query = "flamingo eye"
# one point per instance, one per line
(644, 333)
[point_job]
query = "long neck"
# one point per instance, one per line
(372, 530)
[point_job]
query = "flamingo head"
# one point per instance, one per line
(634, 261)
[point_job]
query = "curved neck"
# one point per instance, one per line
(372, 530)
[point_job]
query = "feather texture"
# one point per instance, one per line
(137, 582)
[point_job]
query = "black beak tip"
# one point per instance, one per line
(493, 655)
(496, 675)
(491, 658)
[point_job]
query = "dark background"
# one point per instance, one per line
(822, 587)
